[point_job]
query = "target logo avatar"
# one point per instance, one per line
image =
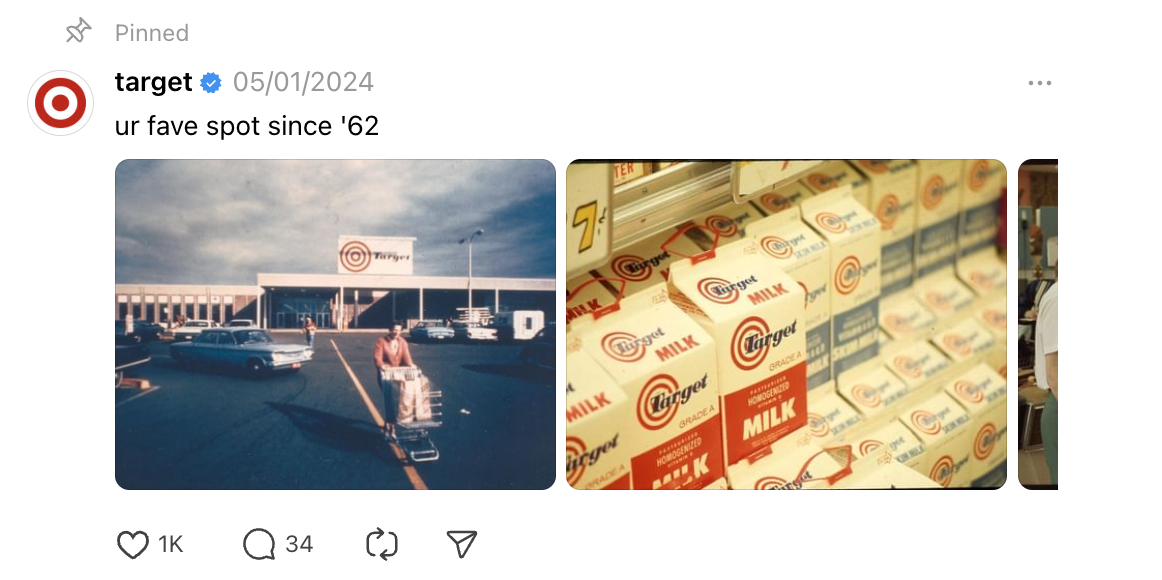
(942, 471)
(60, 103)
(986, 440)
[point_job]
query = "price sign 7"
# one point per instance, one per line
(589, 219)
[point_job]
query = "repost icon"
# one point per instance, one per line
(258, 544)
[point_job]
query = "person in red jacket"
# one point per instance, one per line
(391, 352)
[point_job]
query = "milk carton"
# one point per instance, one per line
(937, 208)
(853, 235)
(835, 174)
(755, 315)
(664, 362)
(596, 412)
(904, 318)
(992, 315)
(965, 344)
(627, 171)
(585, 295)
(874, 393)
(782, 198)
(647, 263)
(796, 249)
(885, 475)
(943, 427)
(893, 437)
(793, 462)
(983, 181)
(830, 419)
(984, 273)
(920, 365)
(947, 298)
(893, 200)
(982, 392)
(729, 221)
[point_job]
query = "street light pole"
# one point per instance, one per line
(469, 240)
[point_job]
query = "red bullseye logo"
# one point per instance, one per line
(942, 471)
(957, 344)
(575, 448)
(968, 391)
(847, 275)
(753, 327)
(978, 174)
(624, 267)
(938, 300)
(982, 280)
(355, 256)
(876, 166)
(986, 440)
(775, 202)
(722, 225)
(60, 103)
(706, 288)
(866, 395)
(658, 389)
(767, 483)
(888, 211)
(614, 345)
(817, 426)
(831, 222)
(933, 193)
(926, 422)
(867, 447)
(897, 323)
(777, 247)
(908, 366)
(995, 319)
(821, 181)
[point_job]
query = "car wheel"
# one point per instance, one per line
(120, 377)
(254, 367)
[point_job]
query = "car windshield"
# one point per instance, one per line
(252, 337)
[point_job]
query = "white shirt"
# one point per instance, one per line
(1045, 341)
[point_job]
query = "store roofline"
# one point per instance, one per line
(359, 281)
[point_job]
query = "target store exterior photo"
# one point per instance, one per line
(373, 287)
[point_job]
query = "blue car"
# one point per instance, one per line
(247, 349)
(432, 331)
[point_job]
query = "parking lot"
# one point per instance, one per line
(314, 429)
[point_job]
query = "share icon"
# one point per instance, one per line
(463, 541)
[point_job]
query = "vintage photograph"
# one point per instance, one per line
(362, 324)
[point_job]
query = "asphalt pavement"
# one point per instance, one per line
(312, 429)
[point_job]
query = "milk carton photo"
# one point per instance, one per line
(983, 181)
(937, 209)
(965, 344)
(943, 427)
(647, 263)
(664, 362)
(853, 236)
(920, 365)
(596, 412)
(586, 294)
(875, 392)
(796, 249)
(982, 392)
(892, 197)
(782, 198)
(835, 174)
(755, 314)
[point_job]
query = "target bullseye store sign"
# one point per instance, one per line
(375, 255)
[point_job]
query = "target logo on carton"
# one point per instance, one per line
(968, 391)
(355, 256)
(768, 483)
(926, 422)
(994, 318)
(866, 395)
(898, 323)
(775, 202)
(868, 446)
(978, 174)
(932, 193)
(722, 225)
(60, 103)
(957, 344)
(623, 346)
(743, 351)
(888, 211)
(986, 440)
(817, 426)
(831, 222)
(942, 471)
(821, 181)
(777, 247)
(718, 290)
(908, 366)
(656, 405)
(574, 448)
(631, 268)
(847, 275)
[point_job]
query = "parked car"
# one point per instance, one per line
(432, 331)
(542, 349)
(248, 349)
(240, 323)
(192, 328)
(144, 331)
(471, 333)
(130, 353)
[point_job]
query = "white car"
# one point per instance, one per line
(471, 333)
(240, 323)
(192, 328)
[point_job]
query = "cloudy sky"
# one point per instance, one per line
(221, 222)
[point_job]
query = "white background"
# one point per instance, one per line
(564, 81)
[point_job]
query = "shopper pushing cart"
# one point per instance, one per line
(411, 406)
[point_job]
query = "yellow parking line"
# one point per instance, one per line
(410, 470)
(138, 395)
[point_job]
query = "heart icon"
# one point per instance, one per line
(130, 544)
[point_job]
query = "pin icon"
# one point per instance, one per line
(463, 541)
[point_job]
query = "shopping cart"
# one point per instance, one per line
(418, 412)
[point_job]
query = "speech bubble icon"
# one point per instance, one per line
(258, 544)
